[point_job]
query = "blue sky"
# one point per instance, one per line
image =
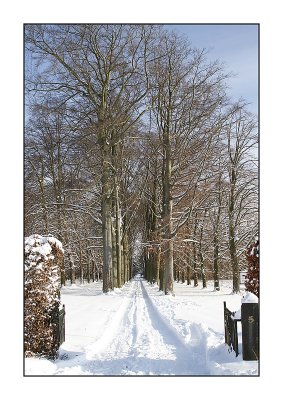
(237, 46)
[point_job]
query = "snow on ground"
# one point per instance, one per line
(139, 331)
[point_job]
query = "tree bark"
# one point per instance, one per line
(234, 261)
(183, 276)
(88, 271)
(215, 263)
(125, 257)
(81, 264)
(118, 241)
(232, 233)
(161, 278)
(92, 270)
(72, 270)
(195, 255)
(201, 259)
(188, 274)
(106, 217)
(167, 209)
(188, 268)
(168, 262)
(114, 259)
(157, 267)
(203, 277)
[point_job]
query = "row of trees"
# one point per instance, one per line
(134, 154)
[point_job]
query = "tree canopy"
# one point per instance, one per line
(135, 157)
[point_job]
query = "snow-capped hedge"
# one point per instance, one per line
(252, 276)
(43, 255)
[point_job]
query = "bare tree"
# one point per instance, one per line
(241, 135)
(104, 69)
(131, 141)
(186, 97)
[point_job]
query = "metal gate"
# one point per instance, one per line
(231, 329)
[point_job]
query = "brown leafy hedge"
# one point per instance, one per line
(252, 276)
(43, 255)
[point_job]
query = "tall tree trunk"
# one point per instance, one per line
(216, 241)
(157, 264)
(203, 277)
(149, 267)
(195, 273)
(114, 259)
(92, 270)
(195, 254)
(88, 268)
(161, 278)
(234, 261)
(81, 264)
(183, 276)
(44, 205)
(145, 260)
(188, 274)
(62, 272)
(130, 263)
(175, 274)
(201, 260)
(118, 241)
(215, 263)
(125, 256)
(106, 222)
(167, 209)
(168, 268)
(107, 243)
(188, 269)
(72, 269)
(232, 239)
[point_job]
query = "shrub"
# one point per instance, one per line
(252, 276)
(42, 295)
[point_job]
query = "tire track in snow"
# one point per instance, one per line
(139, 348)
(139, 341)
(114, 326)
(84, 360)
(189, 357)
(144, 343)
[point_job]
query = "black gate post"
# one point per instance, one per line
(250, 331)
(226, 332)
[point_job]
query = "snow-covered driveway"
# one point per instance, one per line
(143, 343)
(139, 331)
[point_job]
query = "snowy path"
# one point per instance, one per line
(139, 331)
(137, 342)
(144, 343)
